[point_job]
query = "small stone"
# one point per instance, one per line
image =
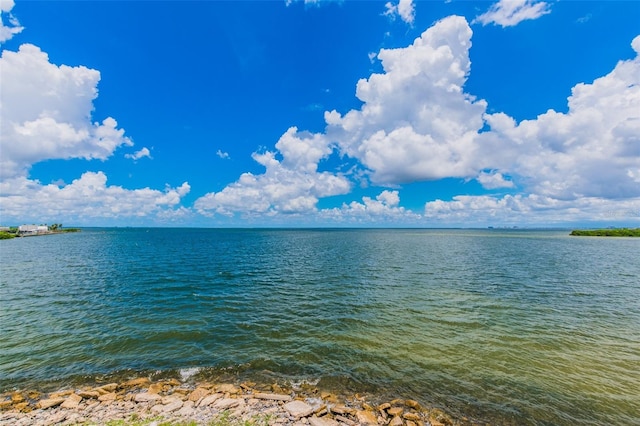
(329, 397)
(320, 409)
(384, 406)
(197, 394)
(227, 388)
(187, 409)
(395, 411)
(146, 397)
(172, 406)
(226, 403)
(414, 417)
(413, 404)
(298, 409)
(155, 388)
(322, 421)
(17, 397)
(341, 409)
(346, 421)
(411, 423)
(366, 417)
(437, 416)
(208, 400)
(88, 394)
(107, 397)
(61, 394)
(48, 403)
(107, 388)
(22, 406)
(56, 418)
(172, 382)
(396, 421)
(139, 382)
(272, 396)
(72, 401)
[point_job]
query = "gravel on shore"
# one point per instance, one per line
(171, 402)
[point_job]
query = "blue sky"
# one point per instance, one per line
(320, 113)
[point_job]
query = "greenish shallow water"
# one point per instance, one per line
(512, 327)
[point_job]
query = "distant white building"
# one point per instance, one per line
(32, 229)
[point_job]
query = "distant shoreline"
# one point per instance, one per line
(617, 232)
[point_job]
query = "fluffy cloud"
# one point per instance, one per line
(405, 9)
(144, 152)
(591, 151)
(416, 122)
(383, 209)
(12, 27)
(290, 185)
(45, 111)
(88, 197)
(508, 13)
(529, 209)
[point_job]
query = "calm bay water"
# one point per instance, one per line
(512, 327)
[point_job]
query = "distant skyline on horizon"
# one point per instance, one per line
(320, 114)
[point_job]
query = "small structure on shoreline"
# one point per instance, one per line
(28, 230)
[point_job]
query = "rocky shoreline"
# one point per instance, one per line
(171, 402)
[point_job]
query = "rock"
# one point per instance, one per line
(22, 406)
(320, 409)
(227, 388)
(341, 409)
(208, 400)
(329, 397)
(146, 397)
(298, 409)
(172, 382)
(72, 401)
(57, 418)
(272, 396)
(173, 405)
(366, 417)
(411, 423)
(384, 406)
(226, 403)
(395, 411)
(48, 403)
(88, 394)
(197, 394)
(439, 417)
(413, 404)
(5, 405)
(107, 397)
(187, 409)
(414, 417)
(139, 382)
(346, 421)
(111, 387)
(155, 388)
(396, 421)
(61, 394)
(322, 421)
(17, 397)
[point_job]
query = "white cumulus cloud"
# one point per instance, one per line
(508, 13)
(405, 9)
(290, 185)
(144, 152)
(12, 26)
(416, 122)
(86, 198)
(45, 111)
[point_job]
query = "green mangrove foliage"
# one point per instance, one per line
(617, 232)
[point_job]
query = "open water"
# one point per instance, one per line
(511, 327)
